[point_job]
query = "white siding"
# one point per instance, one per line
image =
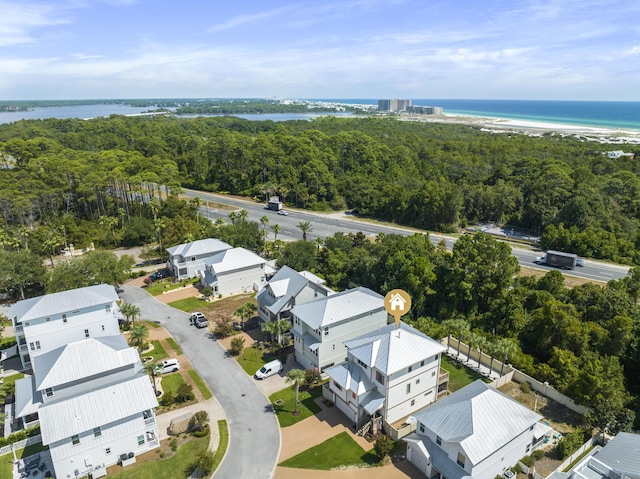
(423, 383)
(241, 280)
(504, 458)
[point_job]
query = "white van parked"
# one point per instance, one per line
(168, 366)
(269, 369)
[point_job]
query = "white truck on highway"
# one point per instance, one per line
(560, 259)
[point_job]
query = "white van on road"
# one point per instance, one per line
(269, 369)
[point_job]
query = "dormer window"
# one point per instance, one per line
(48, 392)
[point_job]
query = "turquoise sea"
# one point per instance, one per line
(624, 115)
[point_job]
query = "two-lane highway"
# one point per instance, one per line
(324, 225)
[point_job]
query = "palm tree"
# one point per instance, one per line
(277, 328)
(457, 325)
(51, 244)
(295, 376)
(305, 227)
(138, 335)
(159, 225)
(505, 347)
(481, 344)
(243, 214)
(247, 309)
(233, 216)
(150, 368)
(319, 242)
(196, 202)
(130, 311)
(276, 229)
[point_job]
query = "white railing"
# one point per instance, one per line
(20, 444)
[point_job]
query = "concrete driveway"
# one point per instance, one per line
(254, 434)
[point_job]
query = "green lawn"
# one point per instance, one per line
(174, 467)
(200, 384)
(285, 410)
(459, 375)
(189, 304)
(12, 379)
(151, 324)
(248, 361)
(6, 342)
(340, 450)
(222, 445)
(158, 351)
(174, 345)
(7, 460)
(159, 287)
(171, 382)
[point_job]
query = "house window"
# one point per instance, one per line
(379, 377)
(107, 450)
(421, 427)
(34, 346)
(107, 308)
(460, 460)
(86, 333)
(418, 381)
(413, 402)
(103, 327)
(409, 388)
(528, 448)
(433, 373)
(193, 258)
(362, 364)
(47, 319)
(422, 363)
(353, 395)
(438, 440)
(64, 318)
(75, 440)
(338, 387)
(140, 440)
(48, 392)
(409, 369)
(26, 323)
(97, 432)
(334, 347)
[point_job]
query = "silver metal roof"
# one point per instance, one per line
(63, 419)
(478, 417)
(82, 359)
(622, 454)
(63, 302)
(339, 307)
(392, 349)
(351, 377)
(28, 400)
(233, 259)
(204, 247)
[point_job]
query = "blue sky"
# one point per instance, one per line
(484, 49)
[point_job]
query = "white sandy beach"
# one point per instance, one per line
(533, 128)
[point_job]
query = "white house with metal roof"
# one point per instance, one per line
(286, 289)
(188, 260)
(233, 271)
(47, 322)
(94, 402)
(476, 432)
(389, 374)
(320, 327)
(619, 459)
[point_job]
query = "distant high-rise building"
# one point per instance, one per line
(384, 105)
(393, 105)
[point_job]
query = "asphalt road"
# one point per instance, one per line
(254, 433)
(324, 225)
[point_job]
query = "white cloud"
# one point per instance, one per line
(19, 20)
(247, 19)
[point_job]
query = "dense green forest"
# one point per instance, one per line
(432, 176)
(115, 181)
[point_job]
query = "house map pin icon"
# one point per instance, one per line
(397, 302)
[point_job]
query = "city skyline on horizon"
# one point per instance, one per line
(354, 49)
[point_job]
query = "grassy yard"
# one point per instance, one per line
(12, 379)
(189, 304)
(151, 324)
(174, 345)
(222, 445)
(284, 404)
(171, 382)
(6, 461)
(174, 467)
(459, 375)
(204, 390)
(248, 361)
(6, 342)
(340, 450)
(158, 352)
(160, 287)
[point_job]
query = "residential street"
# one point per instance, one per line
(254, 434)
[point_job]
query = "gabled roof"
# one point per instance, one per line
(283, 286)
(391, 349)
(478, 417)
(351, 377)
(82, 359)
(63, 302)
(65, 418)
(339, 307)
(622, 454)
(204, 247)
(234, 259)
(312, 277)
(28, 400)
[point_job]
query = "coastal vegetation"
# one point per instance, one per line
(116, 182)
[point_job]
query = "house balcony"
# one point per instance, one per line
(443, 383)
(150, 421)
(18, 328)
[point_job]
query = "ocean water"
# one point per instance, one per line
(624, 115)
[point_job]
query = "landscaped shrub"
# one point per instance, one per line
(383, 446)
(528, 461)
(19, 436)
(167, 399)
(311, 377)
(173, 444)
(237, 345)
(537, 454)
(205, 463)
(571, 442)
(199, 421)
(222, 327)
(525, 387)
(184, 393)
